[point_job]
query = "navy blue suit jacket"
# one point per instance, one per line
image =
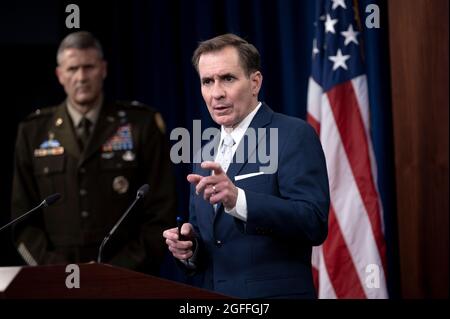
(269, 256)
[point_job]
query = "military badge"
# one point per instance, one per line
(128, 156)
(120, 184)
(59, 121)
(107, 155)
(122, 140)
(49, 147)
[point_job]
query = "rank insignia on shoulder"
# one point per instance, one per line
(160, 123)
(122, 140)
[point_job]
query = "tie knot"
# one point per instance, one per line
(228, 140)
(85, 123)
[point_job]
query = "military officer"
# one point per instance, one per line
(96, 153)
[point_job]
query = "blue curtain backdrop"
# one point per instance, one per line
(149, 44)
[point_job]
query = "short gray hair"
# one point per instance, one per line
(79, 40)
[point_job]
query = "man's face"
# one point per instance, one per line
(228, 93)
(81, 73)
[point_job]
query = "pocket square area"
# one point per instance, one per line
(244, 176)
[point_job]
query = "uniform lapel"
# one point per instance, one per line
(105, 127)
(62, 127)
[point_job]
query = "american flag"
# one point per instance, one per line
(351, 263)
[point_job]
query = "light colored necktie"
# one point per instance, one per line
(226, 152)
(225, 156)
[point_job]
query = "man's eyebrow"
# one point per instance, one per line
(223, 75)
(81, 65)
(226, 75)
(206, 78)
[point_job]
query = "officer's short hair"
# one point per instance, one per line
(79, 40)
(249, 57)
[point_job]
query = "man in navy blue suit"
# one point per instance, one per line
(252, 226)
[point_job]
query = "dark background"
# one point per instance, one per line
(149, 44)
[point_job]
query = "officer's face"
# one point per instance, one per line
(81, 73)
(229, 93)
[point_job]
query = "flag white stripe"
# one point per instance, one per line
(314, 98)
(360, 87)
(349, 208)
(326, 290)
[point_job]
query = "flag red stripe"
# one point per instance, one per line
(344, 106)
(314, 123)
(315, 273)
(341, 270)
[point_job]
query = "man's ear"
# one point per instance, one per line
(256, 78)
(105, 69)
(58, 72)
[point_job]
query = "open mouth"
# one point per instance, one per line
(221, 108)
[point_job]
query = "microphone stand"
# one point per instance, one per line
(105, 240)
(45, 203)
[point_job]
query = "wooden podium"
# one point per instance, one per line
(97, 281)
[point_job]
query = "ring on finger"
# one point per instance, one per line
(214, 189)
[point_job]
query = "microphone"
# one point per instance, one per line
(142, 191)
(49, 200)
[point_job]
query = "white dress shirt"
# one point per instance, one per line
(237, 133)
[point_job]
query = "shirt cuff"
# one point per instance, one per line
(240, 210)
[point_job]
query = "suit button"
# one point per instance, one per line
(84, 214)
(83, 192)
(82, 170)
(46, 170)
(218, 243)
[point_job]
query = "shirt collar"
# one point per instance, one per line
(238, 132)
(92, 115)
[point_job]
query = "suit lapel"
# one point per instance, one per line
(262, 118)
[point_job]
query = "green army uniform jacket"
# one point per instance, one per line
(126, 150)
